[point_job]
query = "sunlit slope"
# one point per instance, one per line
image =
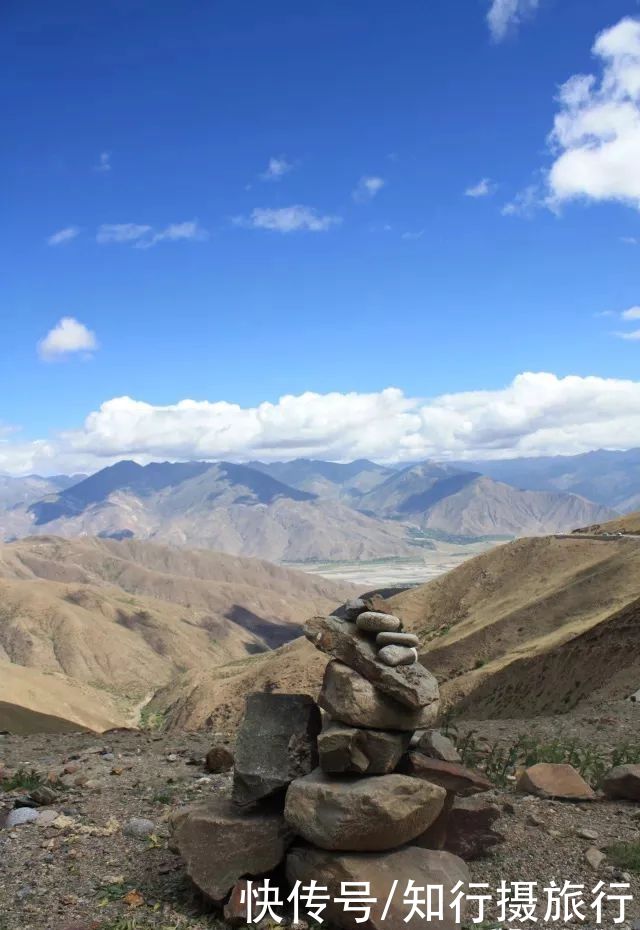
(128, 619)
(531, 627)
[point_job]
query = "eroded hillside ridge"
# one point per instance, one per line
(91, 629)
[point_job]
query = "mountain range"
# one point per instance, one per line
(304, 510)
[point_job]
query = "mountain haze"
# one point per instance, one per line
(303, 510)
(607, 477)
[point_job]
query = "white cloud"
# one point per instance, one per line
(633, 313)
(67, 337)
(505, 16)
(633, 335)
(596, 132)
(484, 188)
(367, 188)
(296, 218)
(412, 236)
(276, 169)
(63, 235)
(536, 414)
(143, 237)
(525, 203)
(121, 232)
(190, 230)
(630, 240)
(104, 162)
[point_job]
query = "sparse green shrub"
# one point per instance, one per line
(150, 719)
(624, 856)
(26, 779)
(500, 760)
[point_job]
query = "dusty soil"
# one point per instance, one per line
(85, 872)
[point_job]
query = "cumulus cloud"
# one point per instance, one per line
(104, 163)
(367, 188)
(633, 335)
(63, 235)
(484, 188)
(505, 16)
(276, 169)
(536, 414)
(633, 313)
(596, 132)
(142, 236)
(296, 218)
(67, 337)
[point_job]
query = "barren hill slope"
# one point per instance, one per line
(532, 627)
(129, 617)
(629, 525)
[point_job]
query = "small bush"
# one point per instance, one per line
(25, 779)
(624, 856)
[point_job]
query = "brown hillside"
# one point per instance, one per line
(129, 618)
(69, 705)
(629, 524)
(514, 631)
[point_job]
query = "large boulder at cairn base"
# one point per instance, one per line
(349, 697)
(219, 843)
(555, 780)
(422, 866)
(623, 782)
(470, 832)
(464, 828)
(344, 749)
(368, 814)
(277, 742)
(411, 685)
(451, 776)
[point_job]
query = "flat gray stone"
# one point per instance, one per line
(396, 639)
(411, 685)
(350, 698)
(20, 816)
(373, 621)
(432, 743)
(353, 608)
(139, 827)
(397, 655)
(276, 743)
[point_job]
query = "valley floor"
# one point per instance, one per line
(86, 872)
(397, 572)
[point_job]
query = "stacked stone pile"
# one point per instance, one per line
(357, 787)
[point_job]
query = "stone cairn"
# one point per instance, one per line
(357, 787)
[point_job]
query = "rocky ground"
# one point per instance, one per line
(83, 869)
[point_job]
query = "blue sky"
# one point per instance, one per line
(139, 202)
